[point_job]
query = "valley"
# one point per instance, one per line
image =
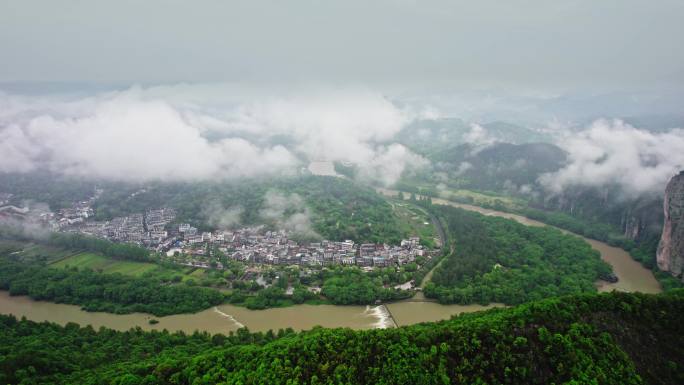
(632, 277)
(341, 192)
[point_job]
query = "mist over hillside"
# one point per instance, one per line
(215, 133)
(306, 192)
(200, 132)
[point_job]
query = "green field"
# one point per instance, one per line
(198, 273)
(33, 251)
(414, 220)
(477, 198)
(106, 265)
(483, 199)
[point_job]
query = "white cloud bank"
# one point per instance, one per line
(611, 152)
(478, 136)
(163, 133)
(353, 125)
(125, 137)
(288, 212)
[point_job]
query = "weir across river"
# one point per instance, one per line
(632, 277)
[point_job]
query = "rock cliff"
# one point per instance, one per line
(670, 254)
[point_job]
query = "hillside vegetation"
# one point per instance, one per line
(612, 338)
(500, 260)
(337, 208)
(113, 293)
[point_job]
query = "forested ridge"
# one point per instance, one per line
(512, 171)
(613, 338)
(500, 260)
(643, 251)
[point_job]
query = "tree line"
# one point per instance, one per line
(500, 260)
(112, 293)
(74, 241)
(610, 338)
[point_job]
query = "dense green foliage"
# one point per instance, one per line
(643, 251)
(56, 246)
(277, 297)
(55, 190)
(113, 293)
(351, 286)
(253, 296)
(605, 213)
(499, 167)
(340, 286)
(612, 338)
(340, 209)
(501, 260)
(97, 245)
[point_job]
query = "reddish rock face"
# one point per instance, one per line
(670, 255)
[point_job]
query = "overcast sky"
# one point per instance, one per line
(571, 44)
(220, 79)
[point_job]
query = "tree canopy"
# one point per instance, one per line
(613, 338)
(500, 260)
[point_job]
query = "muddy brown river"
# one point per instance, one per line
(225, 318)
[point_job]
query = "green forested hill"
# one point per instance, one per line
(500, 260)
(615, 338)
(338, 208)
(498, 167)
(607, 212)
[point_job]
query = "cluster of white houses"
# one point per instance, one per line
(185, 244)
(255, 246)
(143, 229)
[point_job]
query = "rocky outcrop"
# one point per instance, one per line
(670, 255)
(642, 219)
(632, 226)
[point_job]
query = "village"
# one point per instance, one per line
(254, 245)
(184, 244)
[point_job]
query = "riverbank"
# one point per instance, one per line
(632, 276)
(229, 318)
(226, 318)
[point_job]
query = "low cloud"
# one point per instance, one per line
(352, 125)
(125, 137)
(288, 212)
(611, 152)
(25, 221)
(389, 163)
(462, 168)
(479, 138)
(222, 217)
(199, 133)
